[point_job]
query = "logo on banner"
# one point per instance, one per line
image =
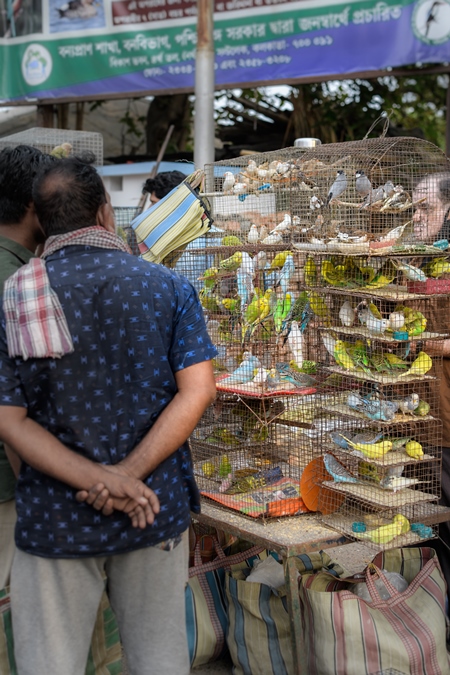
(36, 64)
(431, 21)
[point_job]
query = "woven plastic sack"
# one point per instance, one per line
(170, 224)
(259, 634)
(206, 616)
(406, 633)
(105, 654)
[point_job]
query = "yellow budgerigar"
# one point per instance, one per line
(341, 356)
(310, 271)
(414, 449)
(421, 365)
(320, 307)
(232, 263)
(371, 450)
(386, 533)
(278, 261)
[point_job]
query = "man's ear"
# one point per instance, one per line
(105, 217)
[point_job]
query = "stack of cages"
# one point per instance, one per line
(325, 290)
(375, 272)
(251, 446)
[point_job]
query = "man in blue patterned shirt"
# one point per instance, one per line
(104, 375)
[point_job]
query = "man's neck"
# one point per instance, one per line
(21, 233)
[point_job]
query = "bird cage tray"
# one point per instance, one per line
(383, 378)
(390, 459)
(384, 337)
(344, 525)
(430, 286)
(213, 447)
(399, 418)
(376, 496)
(255, 389)
(281, 498)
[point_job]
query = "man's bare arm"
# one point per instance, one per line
(196, 391)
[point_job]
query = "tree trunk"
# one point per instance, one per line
(162, 112)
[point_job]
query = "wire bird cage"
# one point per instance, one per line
(123, 216)
(47, 139)
(326, 293)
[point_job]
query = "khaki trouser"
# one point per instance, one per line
(54, 604)
(8, 519)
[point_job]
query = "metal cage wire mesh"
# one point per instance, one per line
(47, 139)
(326, 293)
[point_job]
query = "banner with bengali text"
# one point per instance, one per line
(59, 49)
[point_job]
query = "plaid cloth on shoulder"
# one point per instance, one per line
(35, 323)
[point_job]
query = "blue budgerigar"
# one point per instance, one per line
(245, 372)
(337, 470)
(288, 374)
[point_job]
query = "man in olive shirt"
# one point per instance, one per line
(20, 235)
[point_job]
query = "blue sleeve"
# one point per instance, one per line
(191, 343)
(11, 392)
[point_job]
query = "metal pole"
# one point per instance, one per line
(204, 86)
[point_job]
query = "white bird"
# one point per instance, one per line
(409, 404)
(329, 342)
(261, 376)
(253, 234)
(347, 314)
(274, 164)
(284, 226)
(252, 169)
(228, 182)
(240, 188)
(263, 232)
(296, 221)
(260, 261)
(282, 168)
(273, 238)
(396, 483)
(315, 203)
(246, 264)
(295, 343)
(375, 325)
(263, 174)
(396, 320)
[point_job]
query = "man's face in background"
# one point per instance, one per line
(430, 214)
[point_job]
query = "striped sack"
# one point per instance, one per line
(259, 635)
(170, 224)
(206, 616)
(346, 635)
(105, 654)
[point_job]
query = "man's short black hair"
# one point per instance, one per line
(444, 188)
(18, 168)
(163, 183)
(68, 195)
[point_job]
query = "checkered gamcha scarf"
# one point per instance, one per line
(35, 323)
